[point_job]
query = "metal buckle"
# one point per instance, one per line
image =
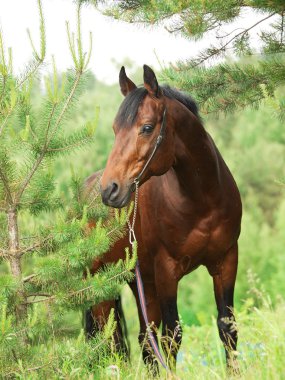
(132, 236)
(134, 185)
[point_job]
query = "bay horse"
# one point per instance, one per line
(189, 206)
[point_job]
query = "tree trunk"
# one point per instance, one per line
(15, 264)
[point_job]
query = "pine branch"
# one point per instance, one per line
(193, 20)
(33, 247)
(67, 103)
(30, 277)
(52, 297)
(39, 160)
(109, 280)
(70, 146)
(11, 109)
(217, 50)
(4, 78)
(6, 186)
(39, 58)
(3, 125)
(39, 294)
(49, 122)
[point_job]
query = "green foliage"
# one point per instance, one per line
(260, 352)
(224, 87)
(47, 246)
(229, 86)
(54, 358)
(69, 248)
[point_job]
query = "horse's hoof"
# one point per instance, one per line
(233, 366)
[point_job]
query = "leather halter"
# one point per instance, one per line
(156, 146)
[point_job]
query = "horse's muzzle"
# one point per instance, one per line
(114, 196)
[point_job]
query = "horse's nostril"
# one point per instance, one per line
(113, 191)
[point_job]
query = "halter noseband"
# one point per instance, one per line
(157, 144)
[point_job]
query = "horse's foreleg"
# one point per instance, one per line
(224, 283)
(166, 286)
(154, 318)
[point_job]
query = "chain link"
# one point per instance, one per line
(132, 236)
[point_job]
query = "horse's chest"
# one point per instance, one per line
(188, 240)
(188, 231)
(176, 235)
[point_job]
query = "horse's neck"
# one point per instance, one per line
(196, 158)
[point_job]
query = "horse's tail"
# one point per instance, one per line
(122, 327)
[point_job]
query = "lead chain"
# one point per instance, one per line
(132, 236)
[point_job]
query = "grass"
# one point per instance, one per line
(261, 348)
(261, 352)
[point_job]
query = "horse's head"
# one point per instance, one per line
(141, 120)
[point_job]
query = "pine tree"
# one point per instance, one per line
(220, 87)
(33, 135)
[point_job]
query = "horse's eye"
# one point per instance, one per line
(147, 129)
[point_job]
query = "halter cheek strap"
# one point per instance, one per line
(156, 146)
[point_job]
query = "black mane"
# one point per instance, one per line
(128, 110)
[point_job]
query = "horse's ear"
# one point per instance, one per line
(125, 83)
(150, 82)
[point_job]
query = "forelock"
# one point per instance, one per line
(128, 111)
